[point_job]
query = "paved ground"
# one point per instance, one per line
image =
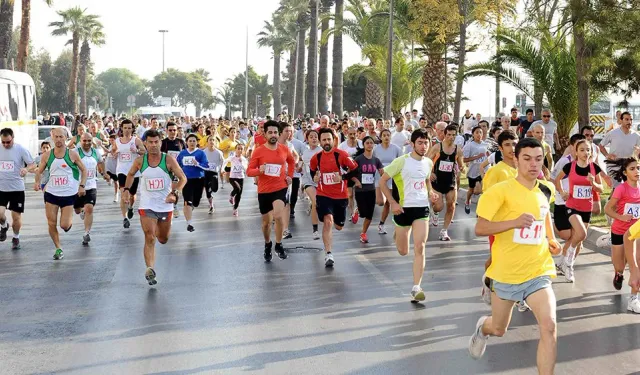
(218, 308)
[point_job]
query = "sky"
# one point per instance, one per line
(209, 34)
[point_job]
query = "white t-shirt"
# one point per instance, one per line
(468, 124)
(344, 146)
(400, 138)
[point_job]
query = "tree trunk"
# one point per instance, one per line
(311, 60)
(337, 74)
(85, 57)
(6, 29)
(277, 106)
(23, 47)
(538, 96)
(323, 64)
(462, 10)
(374, 99)
(293, 78)
(72, 103)
(300, 89)
(583, 64)
(433, 86)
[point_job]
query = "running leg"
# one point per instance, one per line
(295, 189)
(88, 217)
(420, 234)
(327, 233)
(66, 218)
(149, 227)
(451, 198)
(239, 187)
(16, 223)
(279, 214)
(266, 226)
(51, 211)
(543, 305)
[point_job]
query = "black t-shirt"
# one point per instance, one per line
(581, 171)
(367, 167)
(515, 122)
(525, 126)
(175, 145)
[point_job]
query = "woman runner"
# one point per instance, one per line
(237, 173)
(364, 179)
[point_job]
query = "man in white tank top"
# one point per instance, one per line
(67, 179)
(94, 164)
(127, 149)
(157, 198)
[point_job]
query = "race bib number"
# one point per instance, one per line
(445, 166)
(331, 179)
(632, 209)
(154, 184)
(174, 153)
(91, 173)
(367, 178)
(59, 181)
(125, 157)
(236, 169)
(213, 166)
(530, 236)
(7, 166)
(272, 170)
(479, 161)
(582, 192)
(189, 160)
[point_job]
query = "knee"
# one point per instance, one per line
(419, 250)
(88, 210)
(548, 327)
(581, 234)
(77, 210)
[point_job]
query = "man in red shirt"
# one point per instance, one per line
(332, 194)
(274, 164)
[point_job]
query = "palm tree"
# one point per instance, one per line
(93, 35)
(337, 75)
(323, 60)
(23, 47)
(297, 11)
(6, 31)
(273, 35)
(74, 21)
(224, 96)
(311, 58)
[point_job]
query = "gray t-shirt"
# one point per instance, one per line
(11, 161)
(298, 147)
(215, 158)
(620, 144)
(549, 128)
(472, 149)
(366, 172)
(387, 155)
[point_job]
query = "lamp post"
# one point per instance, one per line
(387, 96)
(163, 32)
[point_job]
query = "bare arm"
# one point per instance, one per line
(40, 169)
(174, 168)
(485, 227)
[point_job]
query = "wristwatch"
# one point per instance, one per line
(82, 186)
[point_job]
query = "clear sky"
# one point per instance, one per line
(207, 34)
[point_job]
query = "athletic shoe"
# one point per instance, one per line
(58, 254)
(522, 306)
(280, 251)
(267, 252)
(486, 290)
(478, 341)
(381, 229)
(363, 238)
(634, 305)
(286, 234)
(618, 278)
(355, 217)
(434, 218)
(190, 228)
(567, 270)
(222, 186)
(150, 275)
(82, 215)
(212, 209)
(130, 213)
(109, 183)
(316, 235)
(467, 208)
(292, 215)
(15, 243)
(444, 236)
(231, 200)
(559, 269)
(328, 260)
(125, 223)
(604, 241)
(176, 212)
(417, 295)
(116, 198)
(86, 239)
(3, 232)
(235, 213)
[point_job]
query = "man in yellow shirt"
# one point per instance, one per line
(227, 146)
(516, 212)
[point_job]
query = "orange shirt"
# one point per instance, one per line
(275, 161)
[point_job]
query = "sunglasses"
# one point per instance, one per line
(588, 135)
(546, 116)
(6, 143)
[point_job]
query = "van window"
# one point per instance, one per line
(12, 93)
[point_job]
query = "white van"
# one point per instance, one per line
(162, 114)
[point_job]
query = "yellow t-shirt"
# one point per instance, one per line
(202, 140)
(226, 147)
(518, 255)
(498, 173)
(634, 231)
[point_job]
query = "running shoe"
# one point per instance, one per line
(150, 275)
(176, 212)
(86, 239)
(286, 234)
(316, 235)
(328, 260)
(467, 208)
(3, 232)
(130, 213)
(417, 295)
(231, 200)
(434, 218)
(235, 213)
(618, 278)
(280, 251)
(381, 229)
(559, 269)
(355, 217)
(567, 270)
(267, 252)
(82, 215)
(486, 290)
(478, 342)
(604, 241)
(444, 236)
(634, 305)
(58, 254)
(522, 306)
(190, 228)
(15, 243)
(212, 209)
(451, 220)
(125, 223)
(363, 238)
(116, 198)
(292, 215)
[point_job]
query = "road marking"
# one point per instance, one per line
(374, 271)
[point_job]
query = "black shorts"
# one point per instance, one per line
(61, 202)
(335, 207)
(122, 180)
(617, 239)
(560, 217)
(89, 198)
(12, 200)
(350, 183)
(227, 169)
(192, 191)
(474, 181)
(265, 200)
(586, 216)
(366, 201)
(113, 176)
(410, 215)
(442, 189)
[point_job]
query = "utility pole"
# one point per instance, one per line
(246, 79)
(163, 32)
(315, 57)
(387, 96)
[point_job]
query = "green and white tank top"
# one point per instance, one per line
(410, 176)
(90, 161)
(64, 175)
(156, 185)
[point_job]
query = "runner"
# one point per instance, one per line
(67, 179)
(445, 156)
(13, 159)
(44, 147)
(111, 164)
(126, 150)
(308, 184)
(351, 145)
(172, 145)
(286, 133)
(386, 152)
(193, 161)
(156, 170)
(474, 152)
(269, 163)
(239, 165)
(364, 181)
(216, 161)
(299, 147)
(332, 197)
(410, 203)
(227, 146)
(516, 212)
(84, 204)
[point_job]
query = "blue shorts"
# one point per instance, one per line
(520, 292)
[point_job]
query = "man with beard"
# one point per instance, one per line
(172, 145)
(269, 162)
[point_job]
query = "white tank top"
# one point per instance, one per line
(126, 156)
(64, 176)
(155, 186)
(90, 162)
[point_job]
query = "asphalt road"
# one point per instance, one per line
(219, 309)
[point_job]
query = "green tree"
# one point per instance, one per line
(337, 74)
(6, 31)
(297, 12)
(274, 36)
(354, 88)
(224, 96)
(55, 82)
(258, 85)
(120, 83)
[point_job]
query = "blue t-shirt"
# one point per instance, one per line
(190, 162)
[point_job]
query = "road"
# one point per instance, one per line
(219, 309)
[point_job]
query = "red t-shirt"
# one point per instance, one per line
(331, 185)
(628, 203)
(275, 162)
(259, 140)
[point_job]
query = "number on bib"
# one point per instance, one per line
(367, 178)
(632, 209)
(125, 156)
(189, 160)
(445, 166)
(91, 173)
(174, 153)
(272, 170)
(59, 181)
(154, 184)
(7, 166)
(530, 236)
(331, 179)
(581, 192)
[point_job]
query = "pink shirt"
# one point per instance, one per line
(628, 203)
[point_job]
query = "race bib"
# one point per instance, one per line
(154, 184)
(445, 166)
(213, 166)
(582, 192)
(272, 170)
(331, 179)
(7, 166)
(236, 169)
(479, 161)
(125, 156)
(174, 153)
(189, 160)
(367, 178)
(91, 173)
(632, 209)
(530, 236)
(59, 181)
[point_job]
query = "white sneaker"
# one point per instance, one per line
(316, 235)
(82, 215)
(634, 305)
(444, 236)
(176, 212)
(434, 218)
(328, 260)
(417, 295)
(604, 241)
(381, 229)
(486, 291)
(478, 342)
(116, 198)
(567, 270)
(523, 307)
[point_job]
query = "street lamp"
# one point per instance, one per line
(163, 32)
(387, 95)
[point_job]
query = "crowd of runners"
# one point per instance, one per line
(530, 196)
